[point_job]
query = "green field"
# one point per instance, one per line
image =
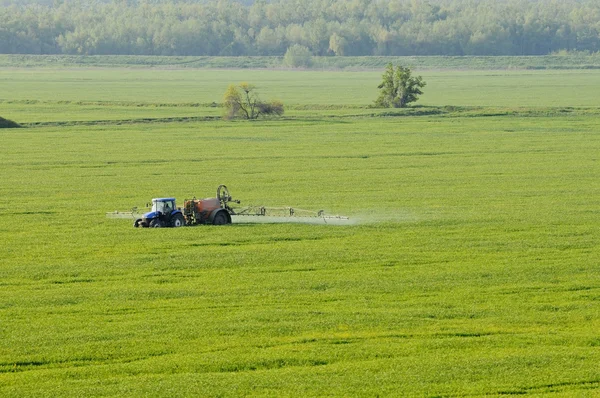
(199, 86)
(471, 268)
(576, 60)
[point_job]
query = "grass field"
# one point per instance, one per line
(143, 86)
(472, 268)
(559, 61)
(203, 87)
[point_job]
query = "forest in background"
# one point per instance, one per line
(324, 27)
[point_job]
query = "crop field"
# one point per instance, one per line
(574, 88)
(470, 268)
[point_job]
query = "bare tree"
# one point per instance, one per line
(242, 101)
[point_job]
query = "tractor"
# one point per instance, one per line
(163, 214)
(214, 211)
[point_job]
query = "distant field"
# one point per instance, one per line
(204, 87)
(567, 61)
(471, 268)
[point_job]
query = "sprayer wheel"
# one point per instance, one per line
(220, 219)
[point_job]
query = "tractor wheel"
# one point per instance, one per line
(220, 218)
(137, 223)
(156, 224)
(178, 221)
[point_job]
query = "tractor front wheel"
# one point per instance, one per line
(178, 221)
(156, 224)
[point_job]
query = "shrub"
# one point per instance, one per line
(242, 101)
(7, 124)
(274, 107)
(298, 56)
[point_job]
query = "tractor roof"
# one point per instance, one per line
(163, 199)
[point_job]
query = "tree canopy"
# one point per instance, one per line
(324, 27)
(399, 87)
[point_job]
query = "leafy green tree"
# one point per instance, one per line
(242, 101)
(399, 87)
(337, 44)
(297, 56)
(269, 41)
(270, 27)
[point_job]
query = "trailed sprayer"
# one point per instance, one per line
(216, 211)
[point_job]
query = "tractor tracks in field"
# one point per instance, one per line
(122, 121)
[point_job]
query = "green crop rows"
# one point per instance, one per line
(471, 267)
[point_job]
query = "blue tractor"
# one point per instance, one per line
(163, 214)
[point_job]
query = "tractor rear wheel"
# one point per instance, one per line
(178, 221)
(156, 223)
(220, 218)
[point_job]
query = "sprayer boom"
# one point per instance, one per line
(134, 213)
(266, 211)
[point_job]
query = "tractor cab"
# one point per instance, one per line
(163, 214)
(163, 205)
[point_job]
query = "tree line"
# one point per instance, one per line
(325, 27)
